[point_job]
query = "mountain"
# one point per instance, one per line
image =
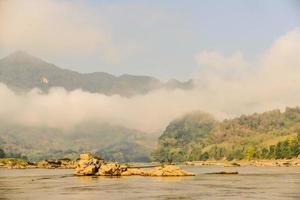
(22, 71)
(110, 142)
(198, 136)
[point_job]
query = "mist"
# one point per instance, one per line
(226, 86)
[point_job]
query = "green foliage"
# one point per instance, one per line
(2, 153)
(284, 149)
(184, 138)
(204, 156)
(270, 135)
(251, 153)
(217, 152)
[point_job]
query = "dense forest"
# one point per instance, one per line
(2, 153)
(198, 136)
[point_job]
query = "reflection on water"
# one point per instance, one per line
(252, 183)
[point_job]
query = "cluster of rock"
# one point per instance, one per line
(14, 163)
(275, 163)
(295, 162)
(91, 166)
(57, 164)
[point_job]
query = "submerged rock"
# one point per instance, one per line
(225, 172)
(168, 170)
(233, 164)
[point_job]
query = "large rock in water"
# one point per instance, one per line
(111, 169)
(90, 166)
(87, 165)
(133, 171)
(168, 170)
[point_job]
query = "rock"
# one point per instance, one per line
(89, 170)
(14, 163)
(68, 163)
(133, 171)
(189, 163)
(233, 164)
(42, 164)
(225, 172)
(87, 165)
(168, 170)
(286, 164)
(85, 156)
(49, 164)
(54, 164)
(111, 169)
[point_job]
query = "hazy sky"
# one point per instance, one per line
(166, 39)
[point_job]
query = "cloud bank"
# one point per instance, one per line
(225, 86)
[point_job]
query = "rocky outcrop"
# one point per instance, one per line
(14, 163)
(294, 162)
(57, 164)
(232, 164)
(134, 172)
(90, 166)
(168, 170)
(111, 169)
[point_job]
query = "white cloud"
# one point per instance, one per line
(274, 84)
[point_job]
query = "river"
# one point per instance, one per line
(268, 183)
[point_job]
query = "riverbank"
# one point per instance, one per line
(295, 162)
(14, 163)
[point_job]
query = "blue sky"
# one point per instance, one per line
(156, 38)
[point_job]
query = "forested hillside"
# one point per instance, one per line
(110, 142)
(197, 136)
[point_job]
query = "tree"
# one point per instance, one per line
(250, 152)
(272, 152)
(204, 156)
(2, 153)
(264, 153)
(295, 146)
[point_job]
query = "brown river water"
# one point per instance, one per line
(269, 183)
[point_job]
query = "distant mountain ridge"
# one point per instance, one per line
(22, 71)
(108, 141)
